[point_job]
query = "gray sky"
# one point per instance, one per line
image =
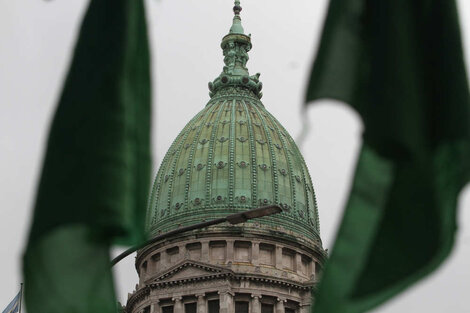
(36, 42)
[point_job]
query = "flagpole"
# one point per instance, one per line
(21, 297)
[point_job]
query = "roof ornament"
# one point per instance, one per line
(237, 27)
(235, 46)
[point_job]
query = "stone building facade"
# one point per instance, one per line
(231, 157)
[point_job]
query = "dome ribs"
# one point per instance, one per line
(242, 159)
(191, 154)
(231, 163)
(254, 169)
(210, 156)
(306, 179)
(176, 145)
(273, 156)
(310, 207)
(289, 161)
(301, 167)
(176, 159)
(234, 155)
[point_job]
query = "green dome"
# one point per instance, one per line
(231, 157)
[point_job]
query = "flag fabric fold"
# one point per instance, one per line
(95, 179)
(14, 305)
(400, 65)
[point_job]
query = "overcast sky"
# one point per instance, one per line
(36, 38)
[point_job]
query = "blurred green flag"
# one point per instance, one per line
(400, 65)
(95, 179)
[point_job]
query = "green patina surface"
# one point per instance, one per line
(233, 156)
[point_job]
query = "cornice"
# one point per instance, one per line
(140, 295)
(214, 273)
(136, 297)
(234, 232)
(237, 93)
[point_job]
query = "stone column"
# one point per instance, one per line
(141, 279)
(182, 253)
(226, 302)
(298, 263)
(155, 306)
(141, 273)
(178, 308)
(255, 253)
(201, 303)
(205, 251)
(279, 258)
(256, 304)
(163, 259)
(304, 308)
(280, 305)
(229, 253)
(152, 266)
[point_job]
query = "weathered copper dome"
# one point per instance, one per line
(233, 156)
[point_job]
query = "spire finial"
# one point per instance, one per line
(235, 73)
(237, 8)
(237, 27)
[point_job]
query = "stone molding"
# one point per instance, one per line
(209, 234)
(137, 297)
(217, 273)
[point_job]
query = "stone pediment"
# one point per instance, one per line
(188, 270)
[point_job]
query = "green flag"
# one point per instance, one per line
(400, 65)
(94, 183)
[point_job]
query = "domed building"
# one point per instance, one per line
(231, 157)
